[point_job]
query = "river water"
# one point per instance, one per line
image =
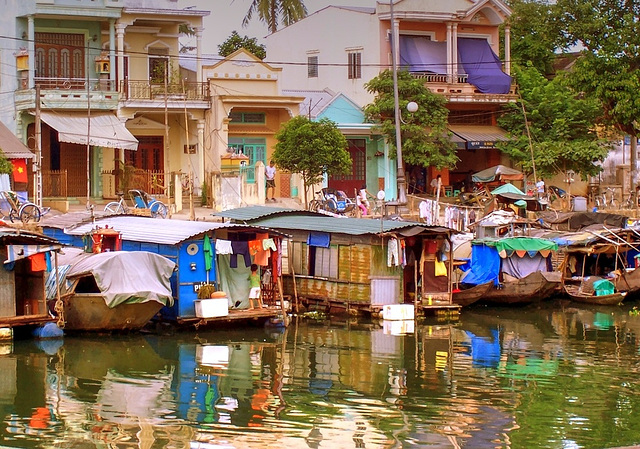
(556, 376)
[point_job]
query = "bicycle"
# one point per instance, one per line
(606, 203)
(628, 202)
(142, 200)
(25, 211)
(117, 207)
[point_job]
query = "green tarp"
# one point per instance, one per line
(507, 188)
(525, 244)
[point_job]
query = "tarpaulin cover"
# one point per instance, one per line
(17, 252)
(530, 202)
(525, 244)
(321, 239)
(485, 265)
(579, 220)
(520, 267)
(128, 276)
(483, 66)
(419, 54)
(507, 188)
(499, 172)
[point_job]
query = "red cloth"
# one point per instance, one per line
(38, 262)
(19, 170)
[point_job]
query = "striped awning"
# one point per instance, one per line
(479, 137)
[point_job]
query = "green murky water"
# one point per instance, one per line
(553, 377)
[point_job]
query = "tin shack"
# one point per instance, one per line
(191, 245)
(29, 256)
(355, 264)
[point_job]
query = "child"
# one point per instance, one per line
(362, 201)
(254, 283)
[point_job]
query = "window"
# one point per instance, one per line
(355, 65)
(297, 252)
(324, 261)
(248, 117)
(312, 66)
(158, 64)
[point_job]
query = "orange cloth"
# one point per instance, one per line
(38, 262)
(255, 246)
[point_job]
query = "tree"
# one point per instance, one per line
(311, 149)
(272, 12)
(535, 34)
(425, 135)
(608, 67)
(560, 123)
(235, 42)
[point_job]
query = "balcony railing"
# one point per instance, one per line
(436, 78)
(75, 84)
(145, 90)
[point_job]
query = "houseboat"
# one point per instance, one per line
(202, 263)
(353, 265)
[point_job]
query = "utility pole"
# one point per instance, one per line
(192, 213)
(402, 196)
(37, 164)
(88, 131)
(167, 181)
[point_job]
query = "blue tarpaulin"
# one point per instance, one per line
(320, 239)
(485, 265)
(483, 66)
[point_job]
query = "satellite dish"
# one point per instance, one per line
(380, 195)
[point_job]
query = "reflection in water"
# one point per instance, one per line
(535, 377)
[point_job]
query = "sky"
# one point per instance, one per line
(226, 16)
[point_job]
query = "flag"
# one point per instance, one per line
(19, 170)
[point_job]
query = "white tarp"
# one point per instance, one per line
(105, 130)
(127, 276)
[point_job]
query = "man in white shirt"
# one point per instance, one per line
(270, 174)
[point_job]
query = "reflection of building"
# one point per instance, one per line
(453, 49)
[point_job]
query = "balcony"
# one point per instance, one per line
(70, 93)
(146, 93)
(458, 90)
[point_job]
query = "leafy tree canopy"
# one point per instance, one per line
(6, 167)
(235, 42)
(273, 12)
(425, 135)
(535, 34)
(311, 149)
(561, 125)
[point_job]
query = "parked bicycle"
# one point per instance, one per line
(334, 201)
(141, 200)
(24, 211)
(604, 201)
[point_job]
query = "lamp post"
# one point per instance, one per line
(411, 107)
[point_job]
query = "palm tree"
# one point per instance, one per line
(271, 12)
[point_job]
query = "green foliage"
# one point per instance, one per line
(273, 12)
(425, 134)
(311, 149)
(535, 34)
(561, 124)
(235, 42)
(6, 167)
(204, 197)
(608, 67)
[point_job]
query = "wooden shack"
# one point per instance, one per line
(358, 265)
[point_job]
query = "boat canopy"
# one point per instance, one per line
(522, 245)
(127, 276)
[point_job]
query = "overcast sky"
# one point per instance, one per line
(226, 16)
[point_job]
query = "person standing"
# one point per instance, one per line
(270, 174)
(436, 185)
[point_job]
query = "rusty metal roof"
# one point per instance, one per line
(149, 230)
(251, 213)
(351, 226)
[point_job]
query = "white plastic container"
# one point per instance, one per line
(398, 312)
(398, 327)
(211, 308)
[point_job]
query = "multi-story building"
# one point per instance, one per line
(452, 46)
(101, 78)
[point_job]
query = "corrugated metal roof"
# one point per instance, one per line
(251, 213)
(351, 226)
(10, 235)
(153, 230)
(473, 132)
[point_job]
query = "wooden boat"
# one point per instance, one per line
(531, 288)
(577, 295)
(468, 296)
(113, 291)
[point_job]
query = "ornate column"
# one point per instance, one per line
(200, 127)
(112, 55)
(120, 27)
(450, 57)
(199, 55)
(507, 50)
(454, 51)
(31, 35)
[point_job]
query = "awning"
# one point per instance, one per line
(17, 252)
(483, 66)
(479, 137)
(105, 130)
(11, 146)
